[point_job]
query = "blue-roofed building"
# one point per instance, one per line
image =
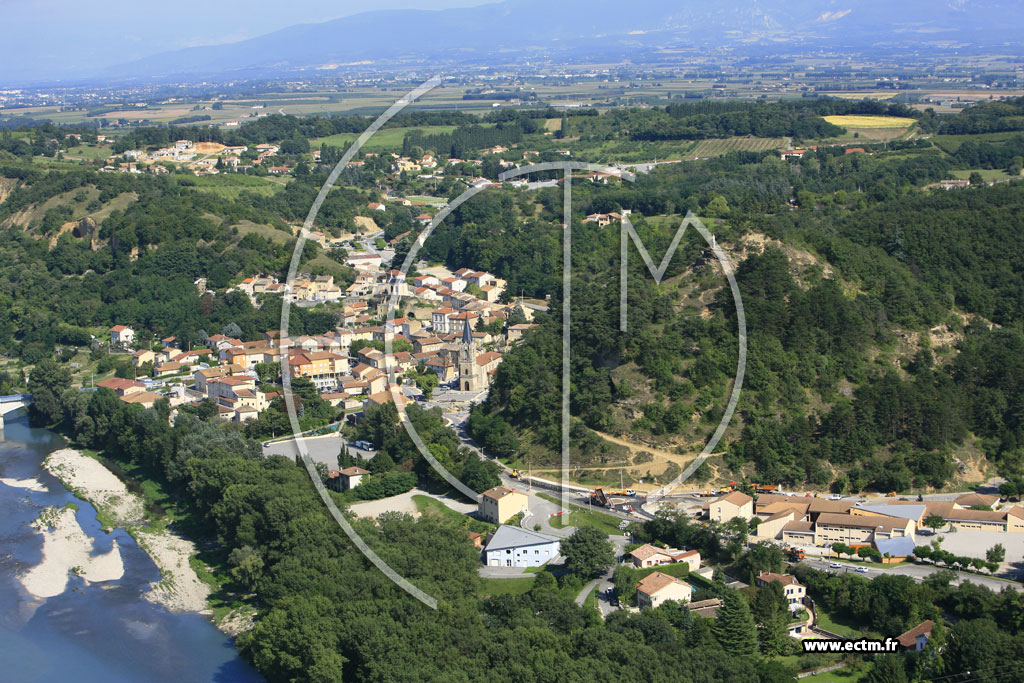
(898, 547)
(511, 546)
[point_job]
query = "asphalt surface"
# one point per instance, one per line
(323, 449)
(917, 572)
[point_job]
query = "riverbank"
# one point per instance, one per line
(180, 589)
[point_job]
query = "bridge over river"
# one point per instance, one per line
(12, 402)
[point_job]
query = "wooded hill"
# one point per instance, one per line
(883, 322)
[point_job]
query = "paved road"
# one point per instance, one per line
(582, 597)
(604, 582)
(452, 399)
(917, 572)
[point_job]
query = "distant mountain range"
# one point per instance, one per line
(564, 30)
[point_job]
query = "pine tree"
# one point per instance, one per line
(734, 626)
(771, 614)
(345, 459)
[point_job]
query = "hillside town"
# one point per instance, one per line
(454, 327)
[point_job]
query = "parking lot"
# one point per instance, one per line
(323, 449)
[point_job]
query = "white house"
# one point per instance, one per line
(122, 335)
(511, 546)
(352, 477)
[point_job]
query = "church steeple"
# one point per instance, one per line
(469, 379)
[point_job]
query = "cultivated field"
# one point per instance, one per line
(717, 147)
(951, 143)
(859, 121)
(231, 185)
(387, 139)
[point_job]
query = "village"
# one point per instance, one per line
(443, 330)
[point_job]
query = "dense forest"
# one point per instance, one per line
(818, 406)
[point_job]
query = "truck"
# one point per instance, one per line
(796, 554)
(597, 497)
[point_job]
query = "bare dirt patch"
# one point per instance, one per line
(209, 147)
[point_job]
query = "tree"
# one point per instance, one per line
(734, 625)
(47, 382)
(717, 207)
(588, 552)
(247, 565)
(479, 475)
(625, 579)
(979, 645)
(346, 459)
(996, 553)
(268, 372)
(771, 614)
(887, 669)
(762, 557)
(231, 330)
(866, 552)
(976, 179)
(934, 522)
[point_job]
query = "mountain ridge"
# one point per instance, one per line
(468, 35)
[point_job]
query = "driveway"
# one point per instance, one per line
(486, 572)
(404, 503)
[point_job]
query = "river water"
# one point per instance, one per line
(103, 631)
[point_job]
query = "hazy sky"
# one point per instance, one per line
(59, 37)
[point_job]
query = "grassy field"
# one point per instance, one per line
(389, 139)
(581, 516)
(837, 625)
(230, 185)
(717, 147)
(516, 586)
(89, 152)
(846, 675)
(986, 173)
(425, 199)
(269, 232)
(859, 121)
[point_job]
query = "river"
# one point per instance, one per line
(103, 631)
